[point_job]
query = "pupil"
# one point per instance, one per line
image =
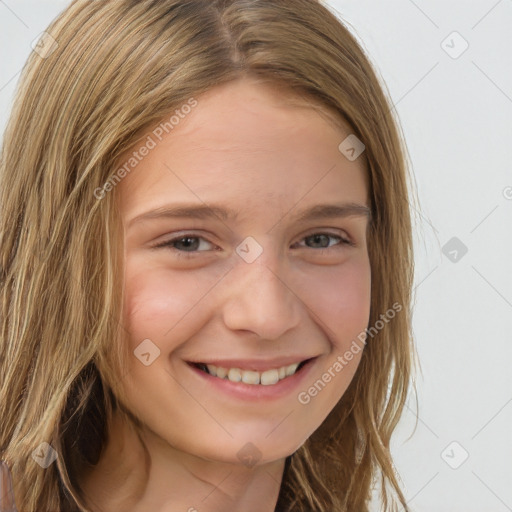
(189, 242)
(320, 238)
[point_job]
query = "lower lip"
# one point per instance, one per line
(244, 391)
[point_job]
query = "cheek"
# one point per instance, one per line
(156, 300)
(340, 299)
(164, 304)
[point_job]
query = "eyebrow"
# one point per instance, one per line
(194, 211)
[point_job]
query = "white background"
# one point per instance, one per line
(456, 116)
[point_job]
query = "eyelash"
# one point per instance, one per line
(187, 254)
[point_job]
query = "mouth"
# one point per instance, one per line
(268, 377)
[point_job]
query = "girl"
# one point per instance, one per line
(206, 264)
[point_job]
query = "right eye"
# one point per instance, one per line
(187, 243)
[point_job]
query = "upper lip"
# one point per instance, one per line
(258, 365)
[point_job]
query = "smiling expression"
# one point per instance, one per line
(245, 248)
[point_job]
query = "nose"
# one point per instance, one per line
(260, 300)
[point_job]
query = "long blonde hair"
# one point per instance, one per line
(106, 71)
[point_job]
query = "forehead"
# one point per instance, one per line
(254, 112)
(247, 140)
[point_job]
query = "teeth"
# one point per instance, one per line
(290, 370)
(266, 378)
(250, 377)
(219, 372)
(270, 377)
(234, 375)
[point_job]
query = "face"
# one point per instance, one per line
(233, 260)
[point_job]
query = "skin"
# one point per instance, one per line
(247, 146)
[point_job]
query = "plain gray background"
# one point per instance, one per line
(455, 108)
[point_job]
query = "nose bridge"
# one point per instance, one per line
(259, 298)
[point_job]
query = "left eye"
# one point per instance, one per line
(323, 238)
(191, 243)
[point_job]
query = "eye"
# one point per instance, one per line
(321, 240)
(187, 244)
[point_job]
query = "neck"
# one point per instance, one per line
(139, 473)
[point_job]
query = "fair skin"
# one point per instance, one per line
(243, 147)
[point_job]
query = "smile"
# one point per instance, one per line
(265, 378)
